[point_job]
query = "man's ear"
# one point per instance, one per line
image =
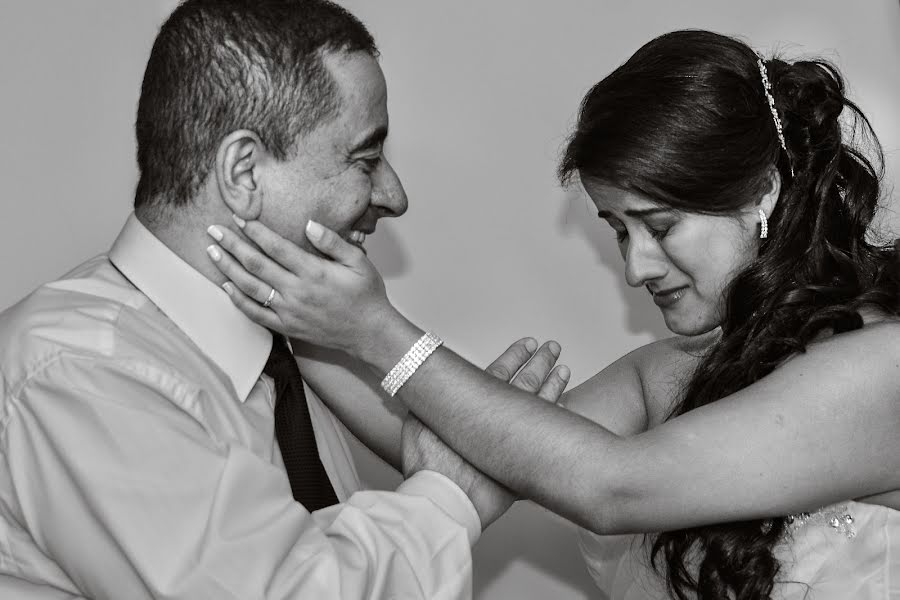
(772, 191)
(237, 161)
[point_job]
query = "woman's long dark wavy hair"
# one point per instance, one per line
(685, 122)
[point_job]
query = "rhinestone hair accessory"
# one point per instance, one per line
(767, 89)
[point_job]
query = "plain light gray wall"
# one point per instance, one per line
(482, 96)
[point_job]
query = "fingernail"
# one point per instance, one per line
(238, 221)
(215, 233)
(564, 372)
(555, 348)
(227, 287)
(531, 344)
(314, 230)
(214, 253)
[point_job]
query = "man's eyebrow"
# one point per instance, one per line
(373, 140)
(636, 212)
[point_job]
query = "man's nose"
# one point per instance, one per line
(644, 262)
(388, 194)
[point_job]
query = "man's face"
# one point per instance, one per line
(339, 175)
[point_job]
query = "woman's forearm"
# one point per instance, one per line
(543, 452)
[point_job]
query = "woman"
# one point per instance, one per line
(743, 209)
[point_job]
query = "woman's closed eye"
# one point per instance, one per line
(658, 233)
(659, 226)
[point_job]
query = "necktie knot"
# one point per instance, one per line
(280, 358)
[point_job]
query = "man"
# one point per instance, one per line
(147, 425)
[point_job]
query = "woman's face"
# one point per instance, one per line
(685, 260)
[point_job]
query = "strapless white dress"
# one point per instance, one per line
(849, 551)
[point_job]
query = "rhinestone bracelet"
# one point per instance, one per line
(411, 361)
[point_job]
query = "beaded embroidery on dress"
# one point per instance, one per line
(849, 550)
(836, 516)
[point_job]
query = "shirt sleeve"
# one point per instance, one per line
(20, 589)
(133, 498)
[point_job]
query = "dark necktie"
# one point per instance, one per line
(294, 431)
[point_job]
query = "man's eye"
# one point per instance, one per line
(621, 235)
(370, 164)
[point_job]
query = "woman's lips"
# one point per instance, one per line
(667, 298)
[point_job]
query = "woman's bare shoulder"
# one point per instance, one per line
(879, 333)
(674, 353)
(637, 390)
(665, 367)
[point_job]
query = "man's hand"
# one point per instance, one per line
(422, 450)
(532, 371)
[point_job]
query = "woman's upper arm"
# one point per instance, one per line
(636, 391)
(613, 398)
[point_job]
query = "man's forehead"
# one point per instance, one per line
(357, 75)
(362, 119)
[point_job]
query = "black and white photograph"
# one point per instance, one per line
(425, 300)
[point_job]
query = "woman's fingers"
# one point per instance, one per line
(251, 286)
(253, 309)
(332, 245)
(282, 251)
(301, 294)
(254, 272)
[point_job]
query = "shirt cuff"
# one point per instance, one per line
(448, 496)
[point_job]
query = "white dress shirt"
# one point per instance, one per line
(138, 458)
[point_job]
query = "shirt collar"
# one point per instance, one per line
(195, 304)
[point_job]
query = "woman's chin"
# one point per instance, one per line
(689, 327)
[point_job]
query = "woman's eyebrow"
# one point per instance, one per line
(635, 212)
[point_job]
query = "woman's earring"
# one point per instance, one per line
(763, 225)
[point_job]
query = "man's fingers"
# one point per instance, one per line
(507, 364)
(332, 245)
(555, 384)
(531, 377)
